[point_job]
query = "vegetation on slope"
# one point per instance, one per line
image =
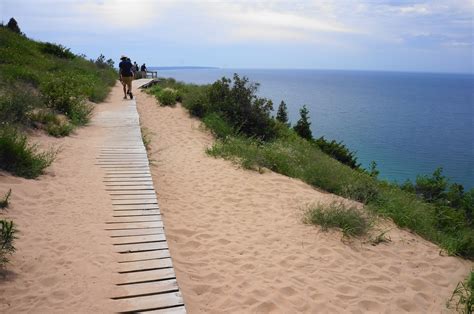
(45, 86)
(248, 134)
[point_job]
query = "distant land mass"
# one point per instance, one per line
(182, 68)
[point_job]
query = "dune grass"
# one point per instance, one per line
(7, 237)
(21, 158)
(462, 299)
(5, 200)
(279, 148)
(351, 221)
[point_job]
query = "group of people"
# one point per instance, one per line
(127, 72)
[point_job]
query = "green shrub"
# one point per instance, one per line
(19, 157)
(167, 96)
(237, 101)
(57, 51)
(59, 130)
(16, 103)
(302, 127)
(338, 151)
(362, 190)
(7, 237)
(350, 220)
(217, 125)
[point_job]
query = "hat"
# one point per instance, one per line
(123, 57)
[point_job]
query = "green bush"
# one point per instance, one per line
(57, 51)
(218, 126)
(167, 96)
(338, 151)
(16, 103)
(19, 157)
(350, 220)
(237, 101)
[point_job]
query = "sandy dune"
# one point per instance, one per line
(236, 237)
(238, 244)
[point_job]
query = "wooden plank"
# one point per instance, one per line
(135, 225)
(128, 183)
(146, 276)
(135, 232)
(145, 265)
(152, 302)
(126, 193)
(127, 219)
(125, 188)
(140, 247)
(133, 197)
(135, 207)
(137, 176)
(172, 310)
(145, 212)
(140, 179)
(135, 201)
(145, 288)
(139, 239)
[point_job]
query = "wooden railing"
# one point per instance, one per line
(146, 74)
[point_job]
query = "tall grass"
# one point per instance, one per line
(350, 220)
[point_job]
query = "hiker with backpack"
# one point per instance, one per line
(126, 76)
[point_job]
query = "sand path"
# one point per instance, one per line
(238, 244)
(65, 260)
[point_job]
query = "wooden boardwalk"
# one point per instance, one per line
(147, 278)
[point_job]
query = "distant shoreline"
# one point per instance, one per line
(183, 68)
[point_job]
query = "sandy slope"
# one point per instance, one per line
(238, 243)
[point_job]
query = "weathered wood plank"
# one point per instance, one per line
(134, 232)
(126, 193)
(142, 256)
(127, 219)
(130, 187)
(159, 301)
(135, 207)
(156, 287)
(129, 213)
(139, 239)
(136, 201)
(146, 276)
(145, 265)
(140, 247)
(139, 179)
(172, 310)
(136, 225)
(133, 197)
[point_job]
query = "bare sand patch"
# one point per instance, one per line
(238, 243)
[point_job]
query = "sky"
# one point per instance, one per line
(407, 35)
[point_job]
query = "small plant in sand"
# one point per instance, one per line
(380, 238)
(168, 96)
(146, 137)
(351, 221)
(462, 298)
(4, 201)
(7, 236)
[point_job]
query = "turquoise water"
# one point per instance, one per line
(409, 123)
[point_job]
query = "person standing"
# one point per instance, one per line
(126, 76)
(143, 70)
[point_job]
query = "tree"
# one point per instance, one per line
(282, 113)
(302, 127)
(13, 26)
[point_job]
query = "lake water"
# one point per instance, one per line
(409, 123)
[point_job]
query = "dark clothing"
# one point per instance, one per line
(143, 68)
(126, 68)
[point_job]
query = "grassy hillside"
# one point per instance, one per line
(44, 86)
(249, 135)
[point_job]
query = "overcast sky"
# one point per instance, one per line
(408, 35)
